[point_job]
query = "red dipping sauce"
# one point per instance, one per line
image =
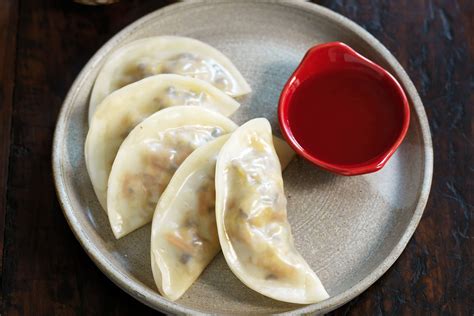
(343, 112)
(345, 117)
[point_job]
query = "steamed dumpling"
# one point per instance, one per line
(121, 111)
(166, 54)
(148, 158)
(252, 224)
(184, 234)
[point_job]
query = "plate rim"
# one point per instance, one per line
(137, 289)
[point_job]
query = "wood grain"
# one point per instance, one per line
(8, 31)
(433, 40)
(46, 272)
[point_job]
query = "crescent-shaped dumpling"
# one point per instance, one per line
(121, 111)
(148, 158)
(166, 54)
(252, 224)
(184, 234)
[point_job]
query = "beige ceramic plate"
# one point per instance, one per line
(349, 229)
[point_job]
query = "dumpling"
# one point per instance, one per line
(148, 158)
(121, 111)
(166, 54)
(184, 234)
(252, 224)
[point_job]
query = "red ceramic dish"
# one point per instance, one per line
(343, 112)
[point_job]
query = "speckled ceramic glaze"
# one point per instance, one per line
(349, 229)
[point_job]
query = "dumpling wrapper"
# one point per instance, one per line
(184, 236)
(121, 111)
(166, 54)
(252, 224)
(148, 158)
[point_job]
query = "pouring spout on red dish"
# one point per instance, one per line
(342, 112)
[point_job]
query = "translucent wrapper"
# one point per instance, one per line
(184, 233)
(148, 158)
(121, 111)
(253, 229)
(166, 55)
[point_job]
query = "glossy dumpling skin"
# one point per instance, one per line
(184, 234)
(166, 54)
(253, 229)
(148, 158)
(121, 111)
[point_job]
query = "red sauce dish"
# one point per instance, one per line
(343, 112)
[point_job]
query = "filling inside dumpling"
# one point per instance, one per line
(159, 158)
(184, 234)
(166, 55)
(192, 241)
(185, 64)
(254, 232)
(150, 155)
(255, 217)
(121, 111)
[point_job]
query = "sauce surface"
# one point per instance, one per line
(346, 116)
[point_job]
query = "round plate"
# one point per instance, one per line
(349, 229)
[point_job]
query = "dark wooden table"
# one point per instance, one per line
(44, 44)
